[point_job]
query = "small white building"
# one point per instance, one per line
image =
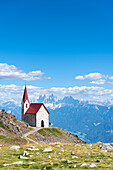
(35, 114)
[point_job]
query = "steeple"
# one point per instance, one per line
(25, 96)
(25, 103)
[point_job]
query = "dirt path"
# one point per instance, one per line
(35, 129)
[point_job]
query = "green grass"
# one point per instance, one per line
(84, 153)
(50, 132)
(54, 131)
(12, 140)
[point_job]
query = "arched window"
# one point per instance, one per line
(26, 105)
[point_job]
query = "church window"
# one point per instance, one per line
(26, 105)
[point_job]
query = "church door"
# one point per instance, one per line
(42, 123)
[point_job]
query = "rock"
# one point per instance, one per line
(32, 163)
(21, 157)
(57, 145)
(15, 163)
(51, 163)
(32, 149)
(74, 166)
(15, 147)
(100, 146)
(107, 146)
(98, 160)
(25, 153)
(92, 166)
(59, 153)
(37, 153)
(69, 162)
(72, 153)
(49, 156)
(84, 164)
(47, 150)
(90, 145)
(30, 156)
(74, 157)
(1, 145)
(62, 150)
(103, 151)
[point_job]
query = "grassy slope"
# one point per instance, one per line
(55, 134)
(53, 131)
(84, 153)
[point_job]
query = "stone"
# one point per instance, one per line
(74, 157)
(49, 156)
(51, 163)
(15, 147)
(98, 160)
(59, 153)
(31, 162)
(84, 164)
(100, 146)
(37, 153)
(69, 162)
(15, 163)
(92, 166)
(72, 153)
(107, 146)
(57, 145)
(74, 166)
(25, 153)
(1, 145)
(47, 150)
(32, 149)
(103, 151)
(62, 150)
(22, 157)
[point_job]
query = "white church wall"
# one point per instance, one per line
(42, 115)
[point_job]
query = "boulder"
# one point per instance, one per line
(15, 147)
(22, 157)
(73, 157)
(15, 163)
(47, 150)
(84, 164)
(92, 166)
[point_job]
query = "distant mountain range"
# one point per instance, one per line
(91, 121)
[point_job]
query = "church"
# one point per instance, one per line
(35, 114)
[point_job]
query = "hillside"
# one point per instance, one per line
(14, 130)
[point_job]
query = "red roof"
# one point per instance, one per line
(34, 108)
(25, 96)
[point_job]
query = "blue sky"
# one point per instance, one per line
(63, 39)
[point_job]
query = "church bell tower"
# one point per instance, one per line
(25, 103)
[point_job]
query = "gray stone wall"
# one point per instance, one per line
(30, 119)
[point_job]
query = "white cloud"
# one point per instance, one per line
(8, 72)
(90, 76)
(111, 77)
(14, 93)
(98, 82)
(110, 83)
(79, 78)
